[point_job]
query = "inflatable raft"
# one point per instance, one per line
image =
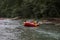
(29, 24)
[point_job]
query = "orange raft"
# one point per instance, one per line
(29, 24)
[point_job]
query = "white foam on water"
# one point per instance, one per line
(45, 33)
(49, 34)
(9, 23)
(7, 36)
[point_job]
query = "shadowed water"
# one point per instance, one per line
(14, 30)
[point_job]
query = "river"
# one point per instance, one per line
(14, 30)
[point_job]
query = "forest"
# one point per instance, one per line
(30, 8)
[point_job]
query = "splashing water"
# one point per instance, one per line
(13, 30)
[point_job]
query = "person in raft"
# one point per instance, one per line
(33, 21)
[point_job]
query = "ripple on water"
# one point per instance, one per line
(7, 31)
(18, 32)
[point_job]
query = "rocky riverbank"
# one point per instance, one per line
(42, 21)
(55, 21)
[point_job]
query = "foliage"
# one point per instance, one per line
(29, 8)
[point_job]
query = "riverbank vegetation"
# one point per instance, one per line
(30, 8)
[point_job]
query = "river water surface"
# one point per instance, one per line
(14, 30)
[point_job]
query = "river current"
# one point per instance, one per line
(14, 30)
